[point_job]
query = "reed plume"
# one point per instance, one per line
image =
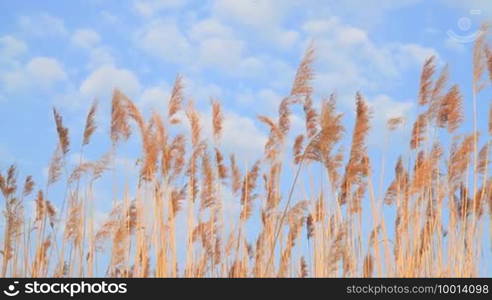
(419, 131)
(176, 100)
(90, 125)
(217, 119)
(56, 165)
(120, 129)
(393, 123)
(357, 166)
(62, 131)
(425, 90)
(247, 192)
(304, 74)
(450, 114)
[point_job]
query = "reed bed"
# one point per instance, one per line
(441, 196)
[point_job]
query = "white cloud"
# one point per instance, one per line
(223, 53)
(413, 54)
(320, 26)
(149, 8)
(43, 25)
(45, 70)
(42, 72)
(200, 90)
(205, 44)
(361, 13)
(155, 97)
(347, 59)
(255, 13)
(164, 40)
(14, 80)
(209, 28)
(263, 17)
(249, 147)
(90, 40)
(384, 108)
(218, 47)
(264, 101)
(251, 67)
(85, 38)
(286, 39)
(352, 36)
(109, 17)
(72, 100)
(100, 56)
(11, 47)
(103, 80)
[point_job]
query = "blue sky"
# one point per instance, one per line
(243, 52)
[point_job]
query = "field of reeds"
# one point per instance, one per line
(441, 196)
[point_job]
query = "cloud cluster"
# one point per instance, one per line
(85, 38)
(38, 73)
(10, 47)
(149, 8)
(103, 80)
(42, 25)
(349, 60)
(240, 50)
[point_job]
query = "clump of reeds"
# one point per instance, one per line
(439, 194)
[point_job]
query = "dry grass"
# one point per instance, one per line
(439, 196)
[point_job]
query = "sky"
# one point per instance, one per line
(243, 52)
